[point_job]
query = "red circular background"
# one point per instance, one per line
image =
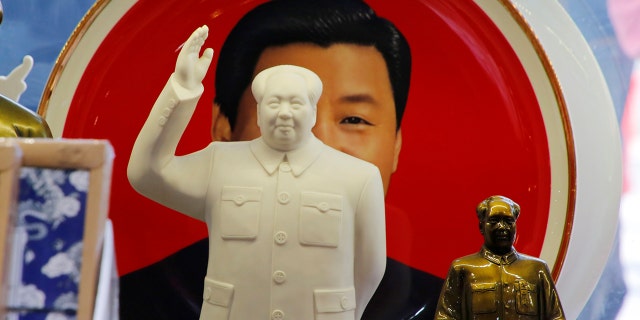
(472, 127)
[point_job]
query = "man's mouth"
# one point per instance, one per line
(285, 124)
(503, 236)
(284, 129)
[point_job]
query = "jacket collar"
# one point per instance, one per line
(299, 159)
(498, 259)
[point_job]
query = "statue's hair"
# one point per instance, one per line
(312, 81)
(483, 207)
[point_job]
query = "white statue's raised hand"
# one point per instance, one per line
(190, 66)
(13, 85)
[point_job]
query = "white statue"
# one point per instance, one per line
(296, 228)
(14, 85)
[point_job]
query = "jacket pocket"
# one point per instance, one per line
(483, 297)
(526, 298)
(320, 219)
(240, 212)
(335, 304)
(217, 297)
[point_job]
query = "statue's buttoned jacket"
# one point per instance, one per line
(489, 286)
(296, 235)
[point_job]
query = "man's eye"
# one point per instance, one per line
(355, 120)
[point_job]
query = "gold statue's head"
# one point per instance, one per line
(497, 217)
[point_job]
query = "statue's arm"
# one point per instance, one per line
(370, 247)
(552, 306)
(13, 85)
(451, 302)
(154, 170)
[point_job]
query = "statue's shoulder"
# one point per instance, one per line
(18, 121)
(468, 260)
(531, 259)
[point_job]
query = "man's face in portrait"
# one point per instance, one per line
(285, 114)
(356, 111)
(499, 227)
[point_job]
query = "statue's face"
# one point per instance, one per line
(285, 114)
(356, 113)
(499, 228)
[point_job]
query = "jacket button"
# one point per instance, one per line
(285, 167)
(239, 199)
(277, 315)
(284, 197)
(279, 276)
(344, 303)
(323, 206)
(280, 237)
(207, 294)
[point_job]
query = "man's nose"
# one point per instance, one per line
(284, 112)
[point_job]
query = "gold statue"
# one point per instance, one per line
(18, 121)
(15, 119)
(498, 282)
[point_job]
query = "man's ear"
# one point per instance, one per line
(220, 127)
(396, 149)
(258, 115)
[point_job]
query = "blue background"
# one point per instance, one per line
(38, 28)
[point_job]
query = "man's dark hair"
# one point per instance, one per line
(320, 22)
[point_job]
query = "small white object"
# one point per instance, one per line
(13, 85)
